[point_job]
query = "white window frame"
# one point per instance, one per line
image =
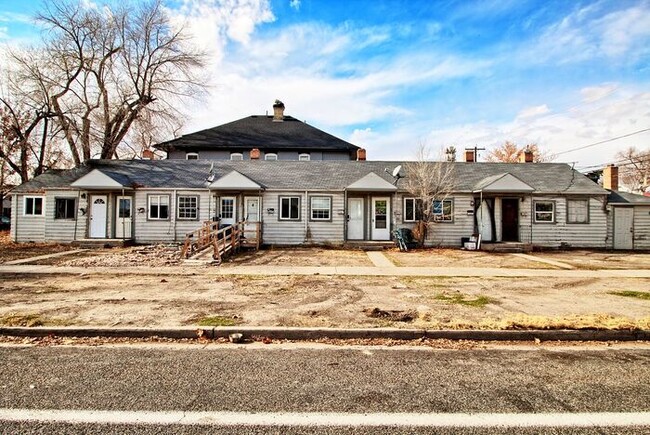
(406, 218)
(304, 157)
(441, 217)
(321, 209)
(194, 156)
(570, 207)
(236, 156)
(233, 211)
(289, 218)
(274, 156)
(536, 212)
(187, 208)
(158, 204)
(34, 198)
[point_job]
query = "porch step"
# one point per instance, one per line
(366, 245)
(507, 247)
(103, 243)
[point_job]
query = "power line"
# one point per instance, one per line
(603, 141)
(623, 162)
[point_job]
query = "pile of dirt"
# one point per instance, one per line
(150, 255)
(392, 315)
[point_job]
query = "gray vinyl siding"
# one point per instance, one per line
(283, 232)
(642, 227)
(63, 230)
(153, 231)
(28, 228)
(13, 217)
(328, 232)
(203, 155)
(561, 233)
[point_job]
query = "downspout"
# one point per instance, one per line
(172, 212)
(76, 221)
(532, 210)
(345, 214)
(480, 210)
(118, 214)
(306, 215)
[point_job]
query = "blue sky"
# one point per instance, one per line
(389, 75)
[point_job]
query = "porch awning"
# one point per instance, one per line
(371, 183)
(99, 180)
(502, 183)
(234, 181)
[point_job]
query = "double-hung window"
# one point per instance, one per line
(544, 211)
(578, 211)
(34, 206)
(188, 207)
(158, 207)
(64, 208)
(321, 208)
(290, 208)
(443, 210)
(412, 209)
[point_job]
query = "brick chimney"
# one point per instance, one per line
(469, 156)
(361, 154)
(148, 154)
(278, 111)
(610, 177)
(526, 156)
(255, 154)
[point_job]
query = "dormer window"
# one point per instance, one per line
(304, 157)
(270, 156)
(191, 156)
(236, 156)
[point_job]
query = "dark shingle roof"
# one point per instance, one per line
(550, 178)
(617, 197)
(259, 131)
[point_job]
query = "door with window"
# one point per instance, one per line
(355, 219)
(252, 216)
(98, 214)
(228, 210)
(380, 218)
(124, 218)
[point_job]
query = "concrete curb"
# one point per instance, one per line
(280, 333)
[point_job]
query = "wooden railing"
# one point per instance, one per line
(223, 241)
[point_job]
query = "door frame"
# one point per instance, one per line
(362, 221)
(380, 234)
(118, 219)
(234, 208)
(91, 216)
(516, 224)
(614, 241)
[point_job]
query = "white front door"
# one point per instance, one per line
(380, 219)
(355, 219)
(124, 218)
(252, 207)
(98, 208)
(623, 227)
(228, 209)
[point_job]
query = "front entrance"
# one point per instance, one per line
(510, 219)
(252, 216)
(380, 228)
(98, 214)
(623, 228)
(228, 208)
(355, 219)
(124, 218)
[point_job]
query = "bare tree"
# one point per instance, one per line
(509, 152)
(102, 69)
(430, 182)
(634, 169)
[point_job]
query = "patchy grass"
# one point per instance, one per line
(632, 294)
(31, 320)
(528, 322)
(458, 298)
(216, 321)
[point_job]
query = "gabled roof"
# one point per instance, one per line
(372, 183)
(96, 179)
(234, 181)
(616, 197)
(544, 178)
(503, 183)
(262, 132)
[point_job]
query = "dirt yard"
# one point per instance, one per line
(439, 257)
(15, 251)
(590, 260)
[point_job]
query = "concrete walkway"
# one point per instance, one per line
(43, 257)
(379, 259)
(331, 270)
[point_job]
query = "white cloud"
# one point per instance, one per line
(4, 32)
(530, 112)
(594, 93)
(295, 4)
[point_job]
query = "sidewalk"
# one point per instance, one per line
(331, 270)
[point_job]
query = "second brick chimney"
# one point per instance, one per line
(278, 111)
(148, 154)
(469, 156)
(255, 154)
(526, 156)
(610, 177)
(361, 154)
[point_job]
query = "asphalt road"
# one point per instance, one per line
(159, 380)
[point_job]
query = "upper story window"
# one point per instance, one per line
(191, 156)
(270, 156)
(304, 157)
(34, 206)
(236, 156)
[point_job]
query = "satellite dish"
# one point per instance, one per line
(210, 178)
(396, 171)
